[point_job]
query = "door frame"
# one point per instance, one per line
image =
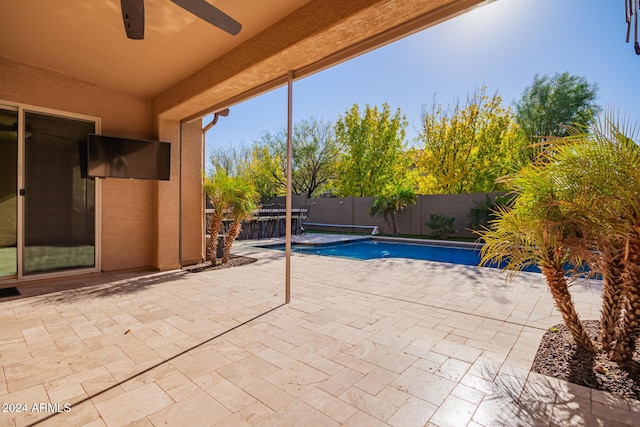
(22, 108)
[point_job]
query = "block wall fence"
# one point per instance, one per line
(355, 211)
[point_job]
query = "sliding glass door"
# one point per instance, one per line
(8, 192)
(59, 205)
(47, 209)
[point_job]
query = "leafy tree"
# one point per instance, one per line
(234, 161)
(373, 149)
(552, 104)
(314, 156)
(242, 202)
(466, 148)
(390, 205)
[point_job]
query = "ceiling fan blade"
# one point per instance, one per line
(211, 14)
(133, 18)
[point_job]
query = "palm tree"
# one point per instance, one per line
(600, 172)
(584, 166)
(586, 197)
(390, 204)
(619, 154)
(629, 331)
(242, 203)
(218, 187)
(533, 232)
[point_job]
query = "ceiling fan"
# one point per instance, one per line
(133, 16)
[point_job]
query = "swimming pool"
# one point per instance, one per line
(371, 249)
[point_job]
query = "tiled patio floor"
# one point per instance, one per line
(363, 343)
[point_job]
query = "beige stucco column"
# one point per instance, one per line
(192, 200)
(166, 201)
(178, 228)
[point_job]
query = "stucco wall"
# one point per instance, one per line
(127, 214)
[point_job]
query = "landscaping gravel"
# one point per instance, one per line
(557, 357)
(234, 261)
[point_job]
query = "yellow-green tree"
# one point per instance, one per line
(466, 148)
(260, 173)
(373, 150)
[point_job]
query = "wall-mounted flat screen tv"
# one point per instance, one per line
(116, 157)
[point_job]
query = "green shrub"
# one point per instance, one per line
(441, 226)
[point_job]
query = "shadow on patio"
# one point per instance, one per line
(105, 285)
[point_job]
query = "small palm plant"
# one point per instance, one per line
(219, 189)
(242, 203)
(390, 204)
(533, 232)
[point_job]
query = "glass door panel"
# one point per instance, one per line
(59, 205)
(8, 193)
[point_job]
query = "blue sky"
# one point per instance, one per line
(501, 45)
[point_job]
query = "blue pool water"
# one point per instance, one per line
(370, 249)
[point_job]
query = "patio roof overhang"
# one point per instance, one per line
(187, 67)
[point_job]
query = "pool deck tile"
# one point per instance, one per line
(385, 342)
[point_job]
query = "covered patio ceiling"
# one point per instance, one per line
(185, 66)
